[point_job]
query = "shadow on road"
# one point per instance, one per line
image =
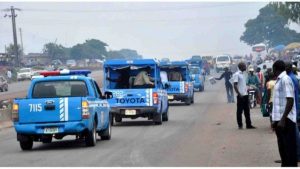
(134, 123)
(60, 145)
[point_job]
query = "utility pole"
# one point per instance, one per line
(13, 19)
(21, 38)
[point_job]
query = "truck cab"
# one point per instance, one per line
(132, 100)
(197, 76)
(62, 103)
(181, 87)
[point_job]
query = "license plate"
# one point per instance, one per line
(130, 112)
(170, 97)
(51, 130)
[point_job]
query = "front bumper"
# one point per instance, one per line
(63, 127)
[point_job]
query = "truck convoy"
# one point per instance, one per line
(59, 104)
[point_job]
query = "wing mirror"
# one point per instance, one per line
(108, 95)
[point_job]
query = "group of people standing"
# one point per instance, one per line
(281, 87)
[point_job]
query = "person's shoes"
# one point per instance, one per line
(240, 127)
(251, 127)
(277, 161)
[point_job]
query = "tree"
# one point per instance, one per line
(55, 51)
(10, 49)
(290, 10)
(114, 55)
(130, 54)
(90, 49)
(268, 27)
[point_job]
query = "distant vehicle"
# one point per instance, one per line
(24, 74)
(198, 78)
(237, 59)
(3, 84)
(222, 61)
(165, 60)
(181, 87)
(60, 104)
(71, 63)
(209, 59)
(131, 101)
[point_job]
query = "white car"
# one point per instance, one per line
(71, 63)
(222, 61)
(24, 74)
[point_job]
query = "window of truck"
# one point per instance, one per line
(62, 88)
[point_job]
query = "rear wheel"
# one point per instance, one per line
(188, 101)
(26, 145)
(118, 118)
(90, 139)
(165, 116)
(157, 118)
(106, 134)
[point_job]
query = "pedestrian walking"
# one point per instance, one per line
(227, 75)
(284, 115)
(8, 74)
(242, 97)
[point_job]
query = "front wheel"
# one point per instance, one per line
(90, 139)
(188, 101)
(26, 145)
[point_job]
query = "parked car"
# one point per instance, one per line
(3, 84)
(24, 74)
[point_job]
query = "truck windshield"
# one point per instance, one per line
(50, 89)
(222, 58)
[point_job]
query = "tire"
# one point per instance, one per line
(165, 116)
(192, 99)
(106, 134)
(118, 118)
(188, 101)
(112, 122)
(90, 139)
(26, 145)
(157, 118)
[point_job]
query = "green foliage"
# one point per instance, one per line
(124, 54)
(268, 27)
(290, 10)
(55, 51)
(91, 49)
(10, 49)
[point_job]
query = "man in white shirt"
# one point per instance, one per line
(240, 88)
(284, 115)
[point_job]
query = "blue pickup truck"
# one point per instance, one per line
(180, 85)
(132, 100)
(62, 103)
(197, 76)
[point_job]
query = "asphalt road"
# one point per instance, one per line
(203, 134)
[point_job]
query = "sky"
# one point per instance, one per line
(155, 29)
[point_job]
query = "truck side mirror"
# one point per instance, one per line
(108, 95)
(167, 85)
